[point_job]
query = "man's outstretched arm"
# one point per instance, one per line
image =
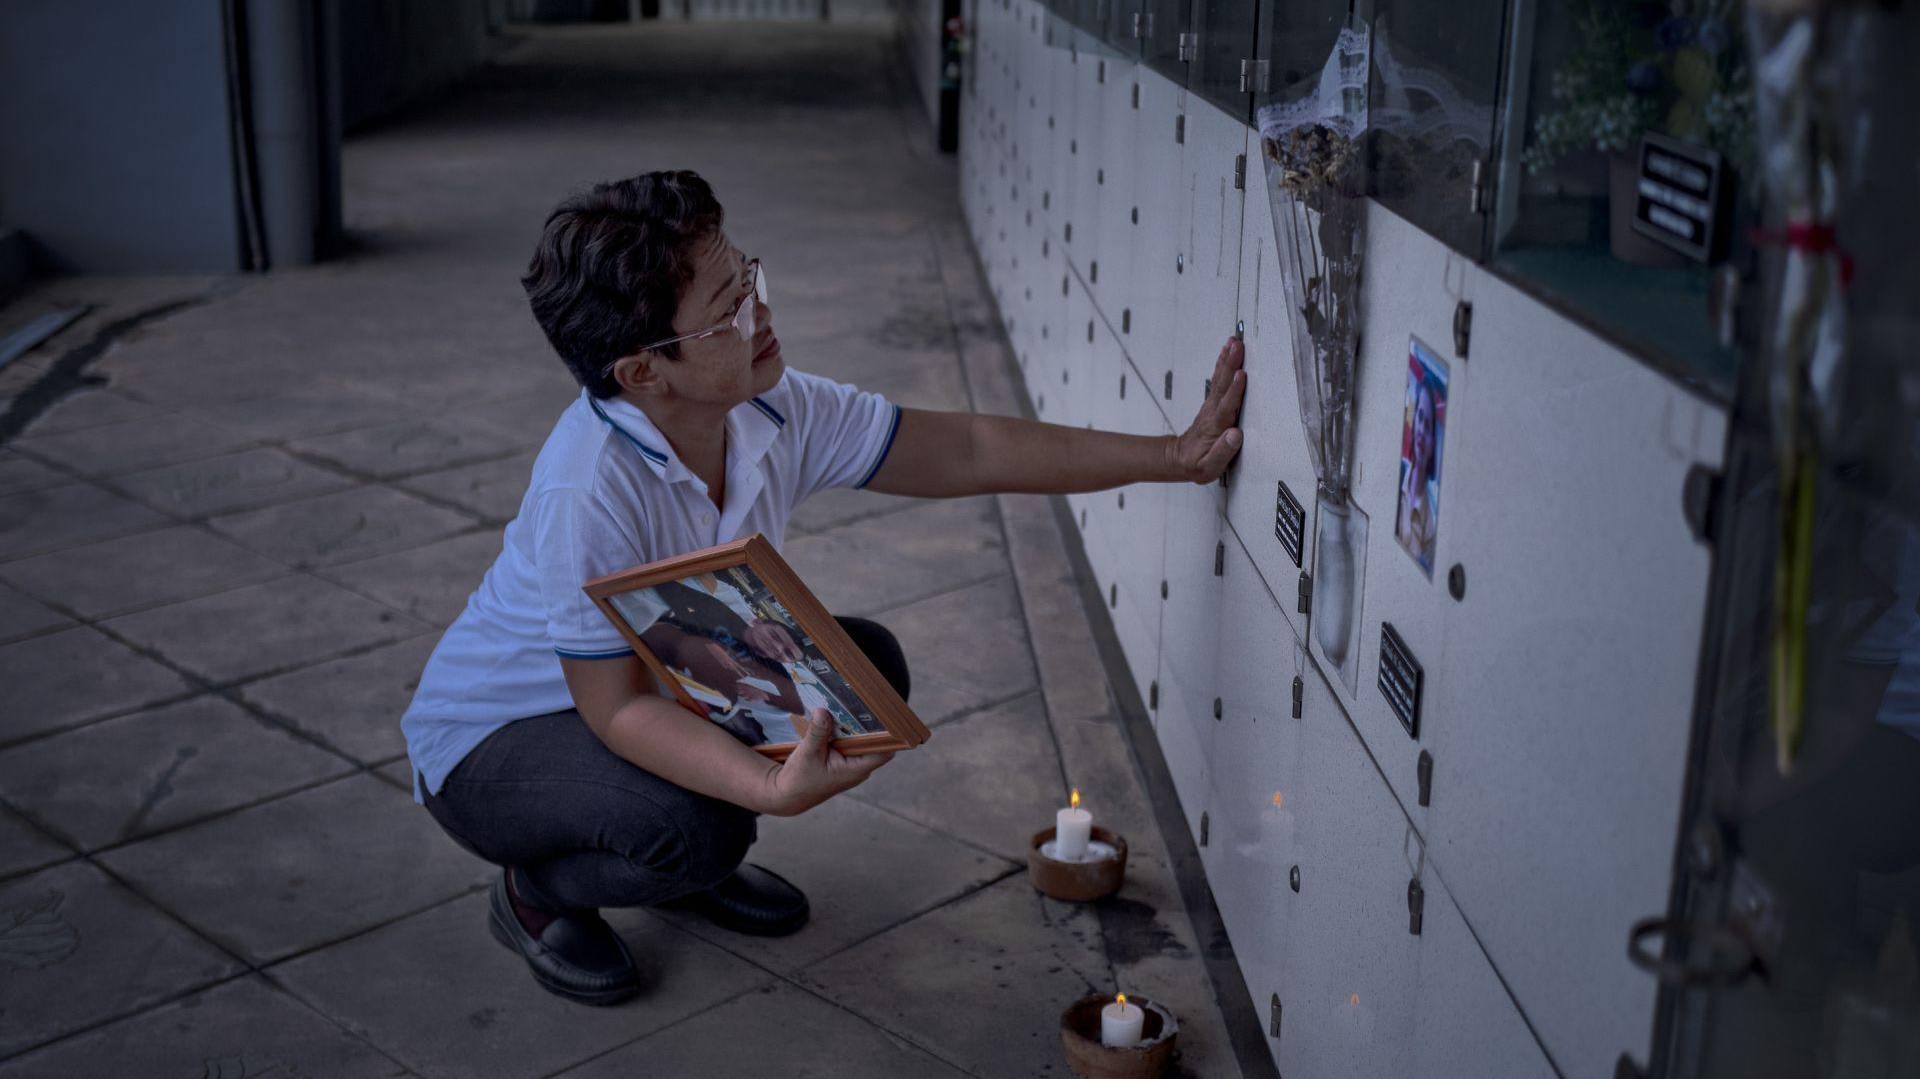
(951, 454)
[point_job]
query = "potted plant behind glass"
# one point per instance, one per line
(1672, 68)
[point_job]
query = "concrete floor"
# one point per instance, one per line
(230, 542)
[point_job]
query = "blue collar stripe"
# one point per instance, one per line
(650, 454)
(772, 413)
(884, 450)
(620, 654)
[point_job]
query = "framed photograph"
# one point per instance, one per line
(1423, 438)
(740, 641)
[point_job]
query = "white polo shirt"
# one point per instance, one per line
(608, 493)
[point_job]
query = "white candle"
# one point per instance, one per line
(1120, 1024)
(1072, 827)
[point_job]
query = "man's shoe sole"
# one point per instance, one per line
(508, 937)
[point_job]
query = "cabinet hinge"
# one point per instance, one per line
(1239, 172)
(1305, 606)
(1253, 76)
(1218, 711)
(1416, 905)
(1166, 389)
(1219, 559)
(1299, 695)
(1153, 696)
(1136, 95)
(1189, 47)
(1477, 188)
(1180, 129)
(1423, 770)
(1206, 826)
(1142, 26)
(1273, 1015)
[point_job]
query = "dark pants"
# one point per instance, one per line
(590, 829)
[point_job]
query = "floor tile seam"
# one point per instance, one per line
(274, 983)
(891, 511)
(100, 476)
(193, 693)
(201, 521)
(935, 829)
(145, 529)
(902, 96)
(201, 687)
(247, 967)
(359, 479)
(12, 875)
(820, 995)
(206, 517)
(73, 613)
(663, 1028)
(267, 966)
(1010, 370)
(312, 458)
(1020, 586)
(986, 706)
(124, 1017)
(229, 689)
(895, 606)
(968, 892)
(213, 816)
(471, 530)
(267, 962)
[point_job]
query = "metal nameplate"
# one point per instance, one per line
(1400, 679)
(1289, 523)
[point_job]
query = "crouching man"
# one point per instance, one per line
(537, 738)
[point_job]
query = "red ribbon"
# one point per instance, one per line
(1814, 238)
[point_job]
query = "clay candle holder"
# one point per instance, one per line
(1095, 877)
(1080, 1037)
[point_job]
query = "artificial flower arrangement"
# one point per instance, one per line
(1675, 68)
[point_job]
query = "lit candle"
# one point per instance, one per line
(1120, 1024)
(1071, 828)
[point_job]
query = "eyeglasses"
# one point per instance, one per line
(744, 320)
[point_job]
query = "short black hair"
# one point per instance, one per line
(607, 275)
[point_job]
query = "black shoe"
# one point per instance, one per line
(576, 955)
(754, 901)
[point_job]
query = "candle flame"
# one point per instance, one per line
(1354, 999)
(1074, 802)
(1122, 1000)
(1279, 800)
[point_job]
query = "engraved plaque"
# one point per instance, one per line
(1400, 678)
(1289, 523)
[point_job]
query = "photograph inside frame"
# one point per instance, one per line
(740, 657)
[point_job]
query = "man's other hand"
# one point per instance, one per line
(816, 771)
(1204, 451)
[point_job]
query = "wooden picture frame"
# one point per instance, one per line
(686, 618)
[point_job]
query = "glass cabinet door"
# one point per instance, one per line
(1108, 26)
(1224, 42)
(1166, 21)
(1436, 74)
(1296, 37)
(1589, 80)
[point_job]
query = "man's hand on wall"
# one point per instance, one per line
(1209, 445)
